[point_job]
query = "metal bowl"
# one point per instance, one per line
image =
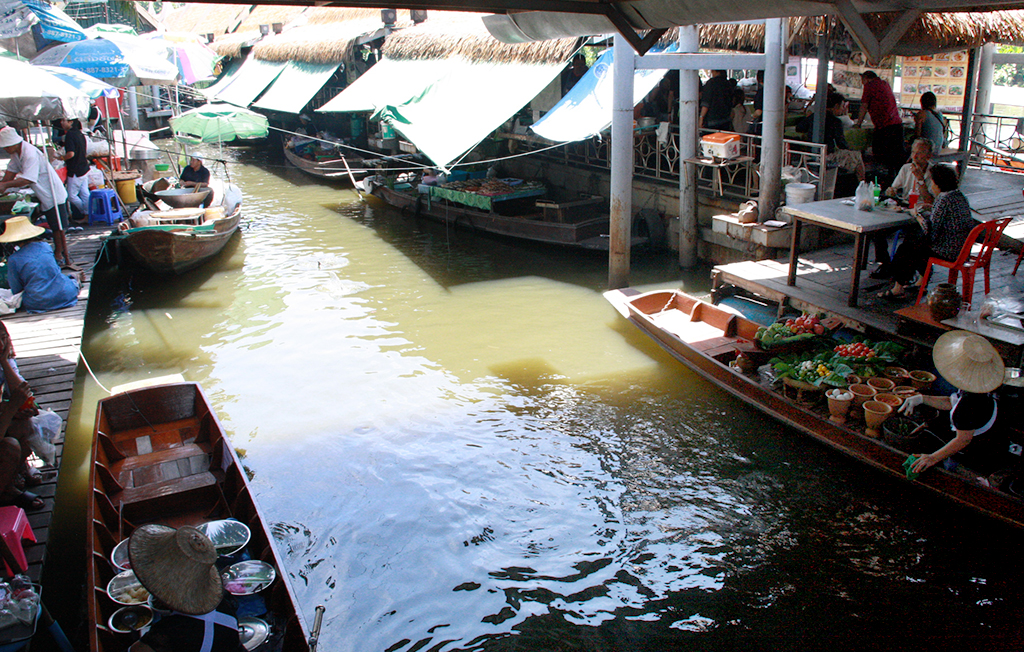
(228, 536)
(248, 577)
(253, 632)
(130, 619)
(119, 556)
(183, 197)
(126, 589)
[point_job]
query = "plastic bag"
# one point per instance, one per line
(45, 428)
(864, 198)
(49, 423)
(9, 302)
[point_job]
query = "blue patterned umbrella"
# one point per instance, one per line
(116, 59)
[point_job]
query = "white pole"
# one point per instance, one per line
(689, 88)
(621, 209)
(774, 114)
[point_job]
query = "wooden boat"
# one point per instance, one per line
(330, 169)
(178, 248)
(160, 456)
(579, 223)
(707, 338)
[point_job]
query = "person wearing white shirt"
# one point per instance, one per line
(28, 167)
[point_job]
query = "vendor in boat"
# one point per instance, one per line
(28, 168)
(972, 365)
(195, 175)
(178, 567)
(33, 272)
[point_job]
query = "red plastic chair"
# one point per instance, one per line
(968, 261)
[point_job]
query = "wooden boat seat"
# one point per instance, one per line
(168, 464)
(176, 488)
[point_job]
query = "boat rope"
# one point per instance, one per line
(89, 369)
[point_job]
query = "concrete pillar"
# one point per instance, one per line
(622, 164)
(133, 109)
(774, 117)
(689, 84)
(983, 102)
(820, 95)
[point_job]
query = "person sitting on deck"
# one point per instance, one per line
(972, 365)
(33, 272)
(178, 567)
(16, 426)
(942, 234)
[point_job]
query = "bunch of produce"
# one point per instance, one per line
(820, 369)
(462, 185)
(806, 324)
(802, 328)
(870, 358)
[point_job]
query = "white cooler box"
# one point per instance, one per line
(720, 145)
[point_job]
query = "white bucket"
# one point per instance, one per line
(799, 193)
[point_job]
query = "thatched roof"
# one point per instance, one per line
(324, 35)
(203, 18)
(268, 15)
(464, 35)
(932, 33)
(230, 45)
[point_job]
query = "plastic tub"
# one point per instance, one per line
(799, 193)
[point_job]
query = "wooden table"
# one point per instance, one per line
(838, 215)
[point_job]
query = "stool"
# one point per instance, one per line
(14, 528)
(104, 207)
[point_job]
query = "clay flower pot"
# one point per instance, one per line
(875, 414)
(921, 379)
(839, 402)
(891, 400)
(898, 375)
(881, 384)
(861, 393)
(904, 391)
(853, 379)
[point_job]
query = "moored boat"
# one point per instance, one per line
(709, 340)
(337, 169)
(174, 248)
(160, 455)
(581, 222)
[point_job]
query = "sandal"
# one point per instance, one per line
(25, 500)
(889, 295)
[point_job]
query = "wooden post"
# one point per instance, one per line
(821, 95)
(774, 116)
(621, 184)
(689, 86)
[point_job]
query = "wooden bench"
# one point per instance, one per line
(157, 466)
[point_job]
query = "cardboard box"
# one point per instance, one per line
(720, 145)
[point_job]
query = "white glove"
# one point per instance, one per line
(910, 403)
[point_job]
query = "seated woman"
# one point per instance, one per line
(33, 271)
(930, 124)
(15, 428)
(971, 364)
(942, 234)
(839, 153)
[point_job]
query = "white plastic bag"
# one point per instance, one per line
(864, 198)
(49, 423)
(9, 302)
(42, 432)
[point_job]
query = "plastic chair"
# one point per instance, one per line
(104, 207)
(968, 261)
(14, 528)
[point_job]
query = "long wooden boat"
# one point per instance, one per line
(581, 223)
(330, 169)
(178, 248)
(707, 338)
(160, 456)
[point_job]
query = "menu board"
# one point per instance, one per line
(943, 74)
(846, 74)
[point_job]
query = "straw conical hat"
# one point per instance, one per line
(19, 228)
(177, 567)
(968, 361)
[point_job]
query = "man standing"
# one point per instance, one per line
(878, 101)
(28, 167)
(77, 165)
(716, 102)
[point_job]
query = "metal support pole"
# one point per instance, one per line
(133, 110)
(622, 164)
(821, 94)
(689, 87)
(970, 83)
(774, 115)
(983, 103)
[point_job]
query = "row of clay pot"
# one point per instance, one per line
(876, 406)
(896, 377)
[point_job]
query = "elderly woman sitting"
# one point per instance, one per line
(942, 234)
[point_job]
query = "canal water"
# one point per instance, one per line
(462, 446)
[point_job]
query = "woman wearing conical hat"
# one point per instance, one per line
(33, 272)
(971, 364)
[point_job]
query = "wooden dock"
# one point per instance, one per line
(47, 346)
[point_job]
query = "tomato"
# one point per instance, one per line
(819, 329)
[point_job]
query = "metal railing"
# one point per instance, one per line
(661, 161)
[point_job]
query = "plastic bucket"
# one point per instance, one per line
(162, 167)
(799, 193)
(126, 190)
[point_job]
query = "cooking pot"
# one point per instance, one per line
(143, 154)
(646, 122)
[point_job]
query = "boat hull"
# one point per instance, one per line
(334, 171)
(160, 455)
(708, 352)
(178, 251)
(589, 233)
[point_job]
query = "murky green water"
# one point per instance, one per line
(462, 446)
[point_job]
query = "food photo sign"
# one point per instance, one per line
(846, 73)
(942, 74)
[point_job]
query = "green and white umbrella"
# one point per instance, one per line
(218, 123)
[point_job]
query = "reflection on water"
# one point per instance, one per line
(460, 445)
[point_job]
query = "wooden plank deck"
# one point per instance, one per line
(47, 347)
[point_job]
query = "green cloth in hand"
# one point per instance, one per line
(908, 464)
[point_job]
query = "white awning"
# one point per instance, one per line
(296, 86)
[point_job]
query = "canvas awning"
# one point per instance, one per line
(231, 69)
(586, 110)
(445, 107)
(296, 86)
(252, 78)
(385, 83)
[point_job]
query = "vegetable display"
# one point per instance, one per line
(832, 365)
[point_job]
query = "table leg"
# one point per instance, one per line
(858, 260)
(793, 246)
